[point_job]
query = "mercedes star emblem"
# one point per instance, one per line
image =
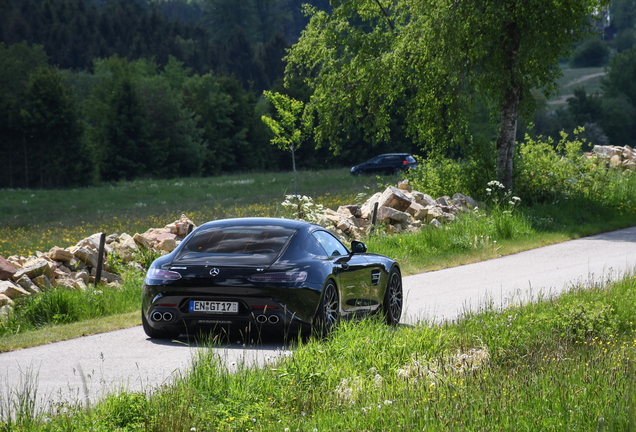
(215, 272)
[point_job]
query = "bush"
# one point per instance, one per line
(545, 173)
(625, 40)
(591, 53)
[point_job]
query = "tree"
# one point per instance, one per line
(367, 56)
(54, 132)
(290, 129)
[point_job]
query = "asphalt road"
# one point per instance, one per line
(87, 368)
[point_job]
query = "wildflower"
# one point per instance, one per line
(516, 198)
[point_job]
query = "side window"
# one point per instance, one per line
(331, 244)
(312, 245)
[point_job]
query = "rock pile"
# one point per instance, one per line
(617, 156)
(76, 266)
(398, 209)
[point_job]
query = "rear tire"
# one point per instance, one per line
(154, 333)
(392, 304)
(328, 313)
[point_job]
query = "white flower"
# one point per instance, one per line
(388, 402)
(516, 198)
(511, 202)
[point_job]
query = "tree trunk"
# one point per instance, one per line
(509, 109)
(507, 134)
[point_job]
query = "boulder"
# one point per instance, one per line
(76, 264)
(12, 290)
(93, 242)
(387, 214)
(87, 255)
(414, 208)
(394, 198)
(444, 201)
(629, 164)
(425, 200)
(616, 161)
(5, 313)
(6, 269)
(28, 285)
(434, 213)
(605, 151)
(181, 227)
(111, 238)
(464, 202)
(43, 282)
(110, 277)
(367, 207)
(350, 210)
(167, 245)
(436, 223)
(34, 269)
(58, 254)
(155, 235)
(404, 186)
(4, 300)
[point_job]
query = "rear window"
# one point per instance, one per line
(247, 244)
(410, 159)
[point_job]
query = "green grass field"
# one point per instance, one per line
(562, 363)
(589, 78)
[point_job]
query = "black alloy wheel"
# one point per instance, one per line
(328, 311)
(392, 305)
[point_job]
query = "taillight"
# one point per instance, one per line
(405, 162)
(162, 275)
(279, 277)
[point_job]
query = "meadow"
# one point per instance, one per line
(553, 363)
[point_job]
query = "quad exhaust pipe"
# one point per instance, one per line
(272, 319)
(165, 316)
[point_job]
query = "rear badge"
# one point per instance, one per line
(215, 272)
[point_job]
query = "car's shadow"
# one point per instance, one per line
(239, 340)
(236, 340)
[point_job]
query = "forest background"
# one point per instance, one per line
(112, 90)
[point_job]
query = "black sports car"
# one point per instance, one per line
(266, 273)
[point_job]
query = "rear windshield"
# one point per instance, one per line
(246, 244)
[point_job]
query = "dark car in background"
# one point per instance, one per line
(390, 163)
(266, 273)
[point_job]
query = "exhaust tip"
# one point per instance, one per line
(167, 316)
(156, 316)
(273, 319)
(261, 319)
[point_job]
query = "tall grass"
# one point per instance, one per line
(563, 363)
(64, 306)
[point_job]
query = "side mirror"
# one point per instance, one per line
(358, 247)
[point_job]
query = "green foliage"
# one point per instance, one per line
(547, 173)
(625, 40)
(364, 59)
(124, 411)
(582, 322)
(620, 76)
(592, 52)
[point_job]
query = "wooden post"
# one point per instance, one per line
(375, 216)
(100, 258)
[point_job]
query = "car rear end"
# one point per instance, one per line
(229, 276)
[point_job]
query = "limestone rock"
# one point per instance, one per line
(34, 269)
(404, 185)
(58, 254)
(43, 282)
(436, 223)
(28, 285)
(155, 235)
(414, 208)
(141, 241)
(12, 290)
(616, 161)
(350, 210)
(112, 238)
(6, 269)
(110, 277)
(464, 202)
(390, 214)
(4, 300)
(87, 255)
(181, 227)
(167, 245)
(5, 313)
(367, 207)
(394, 198)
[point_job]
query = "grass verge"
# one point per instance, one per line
(556, 363)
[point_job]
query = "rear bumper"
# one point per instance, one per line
(285, 309)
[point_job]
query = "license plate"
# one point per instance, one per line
(213, 306)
